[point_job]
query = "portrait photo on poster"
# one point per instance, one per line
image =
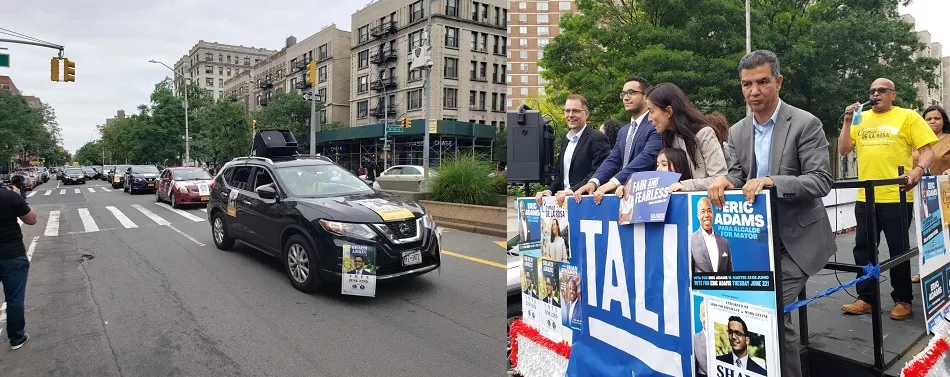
(570, 296)
(555, 242)
(529, 223)
(739, 342)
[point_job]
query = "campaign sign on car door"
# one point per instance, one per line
(359, 270)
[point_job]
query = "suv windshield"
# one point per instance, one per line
(191, 175)
(76, 171)
(145, 169)
(321, 180)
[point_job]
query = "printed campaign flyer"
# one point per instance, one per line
(571, 312)
(359, 270)
(646, 198)
(554, 232)
(529, 224)
(530, 298)
(931, 214)
(550, 299)
(733, 278)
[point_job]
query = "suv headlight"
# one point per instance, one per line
(428, 222)
(348, 229)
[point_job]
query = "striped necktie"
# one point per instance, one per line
(628, 147)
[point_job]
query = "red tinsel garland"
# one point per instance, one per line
(921, 366)
(518, 327)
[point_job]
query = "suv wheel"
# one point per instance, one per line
(219, 231)
(301, 264)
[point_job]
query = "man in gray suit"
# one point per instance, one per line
(783, 147)
(710, 251)
(699, 344)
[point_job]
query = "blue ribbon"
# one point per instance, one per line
(870, 272)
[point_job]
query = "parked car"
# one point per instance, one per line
(179, 186)
(403, 177)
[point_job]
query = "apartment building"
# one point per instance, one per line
(532, 25)
(286, 70)
(468, 54)
(210, 64)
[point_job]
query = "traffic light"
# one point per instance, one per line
(312, 73)
(254, 126)
(54, 69)
(69, 71)
(406, 122)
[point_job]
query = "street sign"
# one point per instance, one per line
(396, 129)
(433, 126)
(5, 60)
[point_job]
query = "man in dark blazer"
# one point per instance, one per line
(581, 154)
(704, 237)
(739, 341)
(633, 152)
(784, 147)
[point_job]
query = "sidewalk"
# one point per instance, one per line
(512, 218)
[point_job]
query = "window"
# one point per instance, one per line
(229, 72)
(523, 29)
(544, 30)
(323, 51)
(415, 99)
(474, 70)
(475, 11)
(483, 71)
(495, 46)
(508, 89)
(209, 57)
(483, 43)
(322, 95)
(522, 5)
(523, 42)
(414, 74)
(209, 69)
(504, 45)
(415, 39)
(542, 18)
(322, 74)
(229, 58)
(220, 93)
(415, 11)
(504, 69)
(452, 8)
(474, 41)
(363, 33)
(451, 37)
(524, 54)
(481, 100)
(494, 73)
(362, 109)
(494, 100)
(541, 91)
(450, 100)
(540, 54)
(497, 16)
(363, 58)
(505, 17)
(247, 60)
(523, 17)
(451, 68)
(501, 100)
(293, 82)
(524, 91)
(524, 66)
(220, 58)
(542, 5)
(472, 96)
(209, 81)
(220, 83)
(362, 84)
(238, 177)
(543, 42)
(508, 104)
(564, 5)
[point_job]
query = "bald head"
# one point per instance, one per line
(882, 82)
(884, 91)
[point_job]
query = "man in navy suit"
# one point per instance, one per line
(637, 145)
(739, 341)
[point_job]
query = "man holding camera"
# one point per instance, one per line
(14, 264)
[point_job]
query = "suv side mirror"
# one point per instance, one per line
(267, 193)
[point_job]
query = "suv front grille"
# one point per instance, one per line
(402, 232)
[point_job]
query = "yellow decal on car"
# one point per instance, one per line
(386, 210)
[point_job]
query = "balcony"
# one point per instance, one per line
(381, 84)
(377, 111)
(384, 29)
(266, 83)
(384, 56)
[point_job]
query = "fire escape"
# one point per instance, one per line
(384, 59)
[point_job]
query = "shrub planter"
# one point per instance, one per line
(470, 218)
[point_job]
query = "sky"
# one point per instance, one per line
(112, 41)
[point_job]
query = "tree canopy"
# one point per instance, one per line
(829, 51)
(30, 131)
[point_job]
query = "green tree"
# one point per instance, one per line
(697, 44)
(90, 154)
(24, 129)
(225, 132)
(288, 111)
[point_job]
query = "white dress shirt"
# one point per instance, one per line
(712, 248)
(573, 138)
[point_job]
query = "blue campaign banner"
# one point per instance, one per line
(931, 210)
(931, 225)
(646, 198)
(529, 223)
(634, 292)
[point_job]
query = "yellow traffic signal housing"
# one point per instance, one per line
(69, 70)
(54, 69)
(254, 126)
(312, 73)
(406, 122)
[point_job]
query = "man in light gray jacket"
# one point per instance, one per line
(783, 147)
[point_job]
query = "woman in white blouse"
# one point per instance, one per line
(558, 249)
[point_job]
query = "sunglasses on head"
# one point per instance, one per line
(878, 91)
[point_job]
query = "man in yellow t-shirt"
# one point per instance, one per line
(885, 139)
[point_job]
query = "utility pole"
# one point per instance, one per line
(313, 121)
(425, 140)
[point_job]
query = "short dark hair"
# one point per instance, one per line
(612, 129)
(677, 158)
(577, 97)
(643, 82)
(361, 258)
(737, 319)
(759, 57)
(943, 114)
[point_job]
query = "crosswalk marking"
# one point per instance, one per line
(52, 225)
(151, 215)
(205, 210)
(63, 191)
(31, 194)
(87, 221)
(48, 192)
(77, 191)
(123, 219)
(90, 189)
(180, 212)
(105, 189)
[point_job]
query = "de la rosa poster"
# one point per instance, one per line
(932, 216)
(734, 294)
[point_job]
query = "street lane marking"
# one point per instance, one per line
(77, 191)
(186, 235)
(205, 210)
(502, 244)
(90, 189)
(29, 252)
(105, 189)
(123, 219)
(180, 212)
(48, 192)
(87, 221)
(52, 225)
(31, 194)
(157, 219)
(63, 191)
(473, 259)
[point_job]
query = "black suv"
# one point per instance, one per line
(302, 210)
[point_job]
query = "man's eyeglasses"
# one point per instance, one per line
(574, 111)
(878, 91)
(736, 333)
(630, 93)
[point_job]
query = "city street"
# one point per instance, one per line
(123, 286)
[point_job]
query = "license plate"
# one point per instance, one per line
(151, 185)
(205, 198)
(410, 258)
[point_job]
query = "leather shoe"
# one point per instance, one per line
(857, 307)
(901, 311)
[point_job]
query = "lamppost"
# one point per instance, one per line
(187, 137)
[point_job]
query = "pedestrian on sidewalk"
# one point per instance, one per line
(14, 264)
